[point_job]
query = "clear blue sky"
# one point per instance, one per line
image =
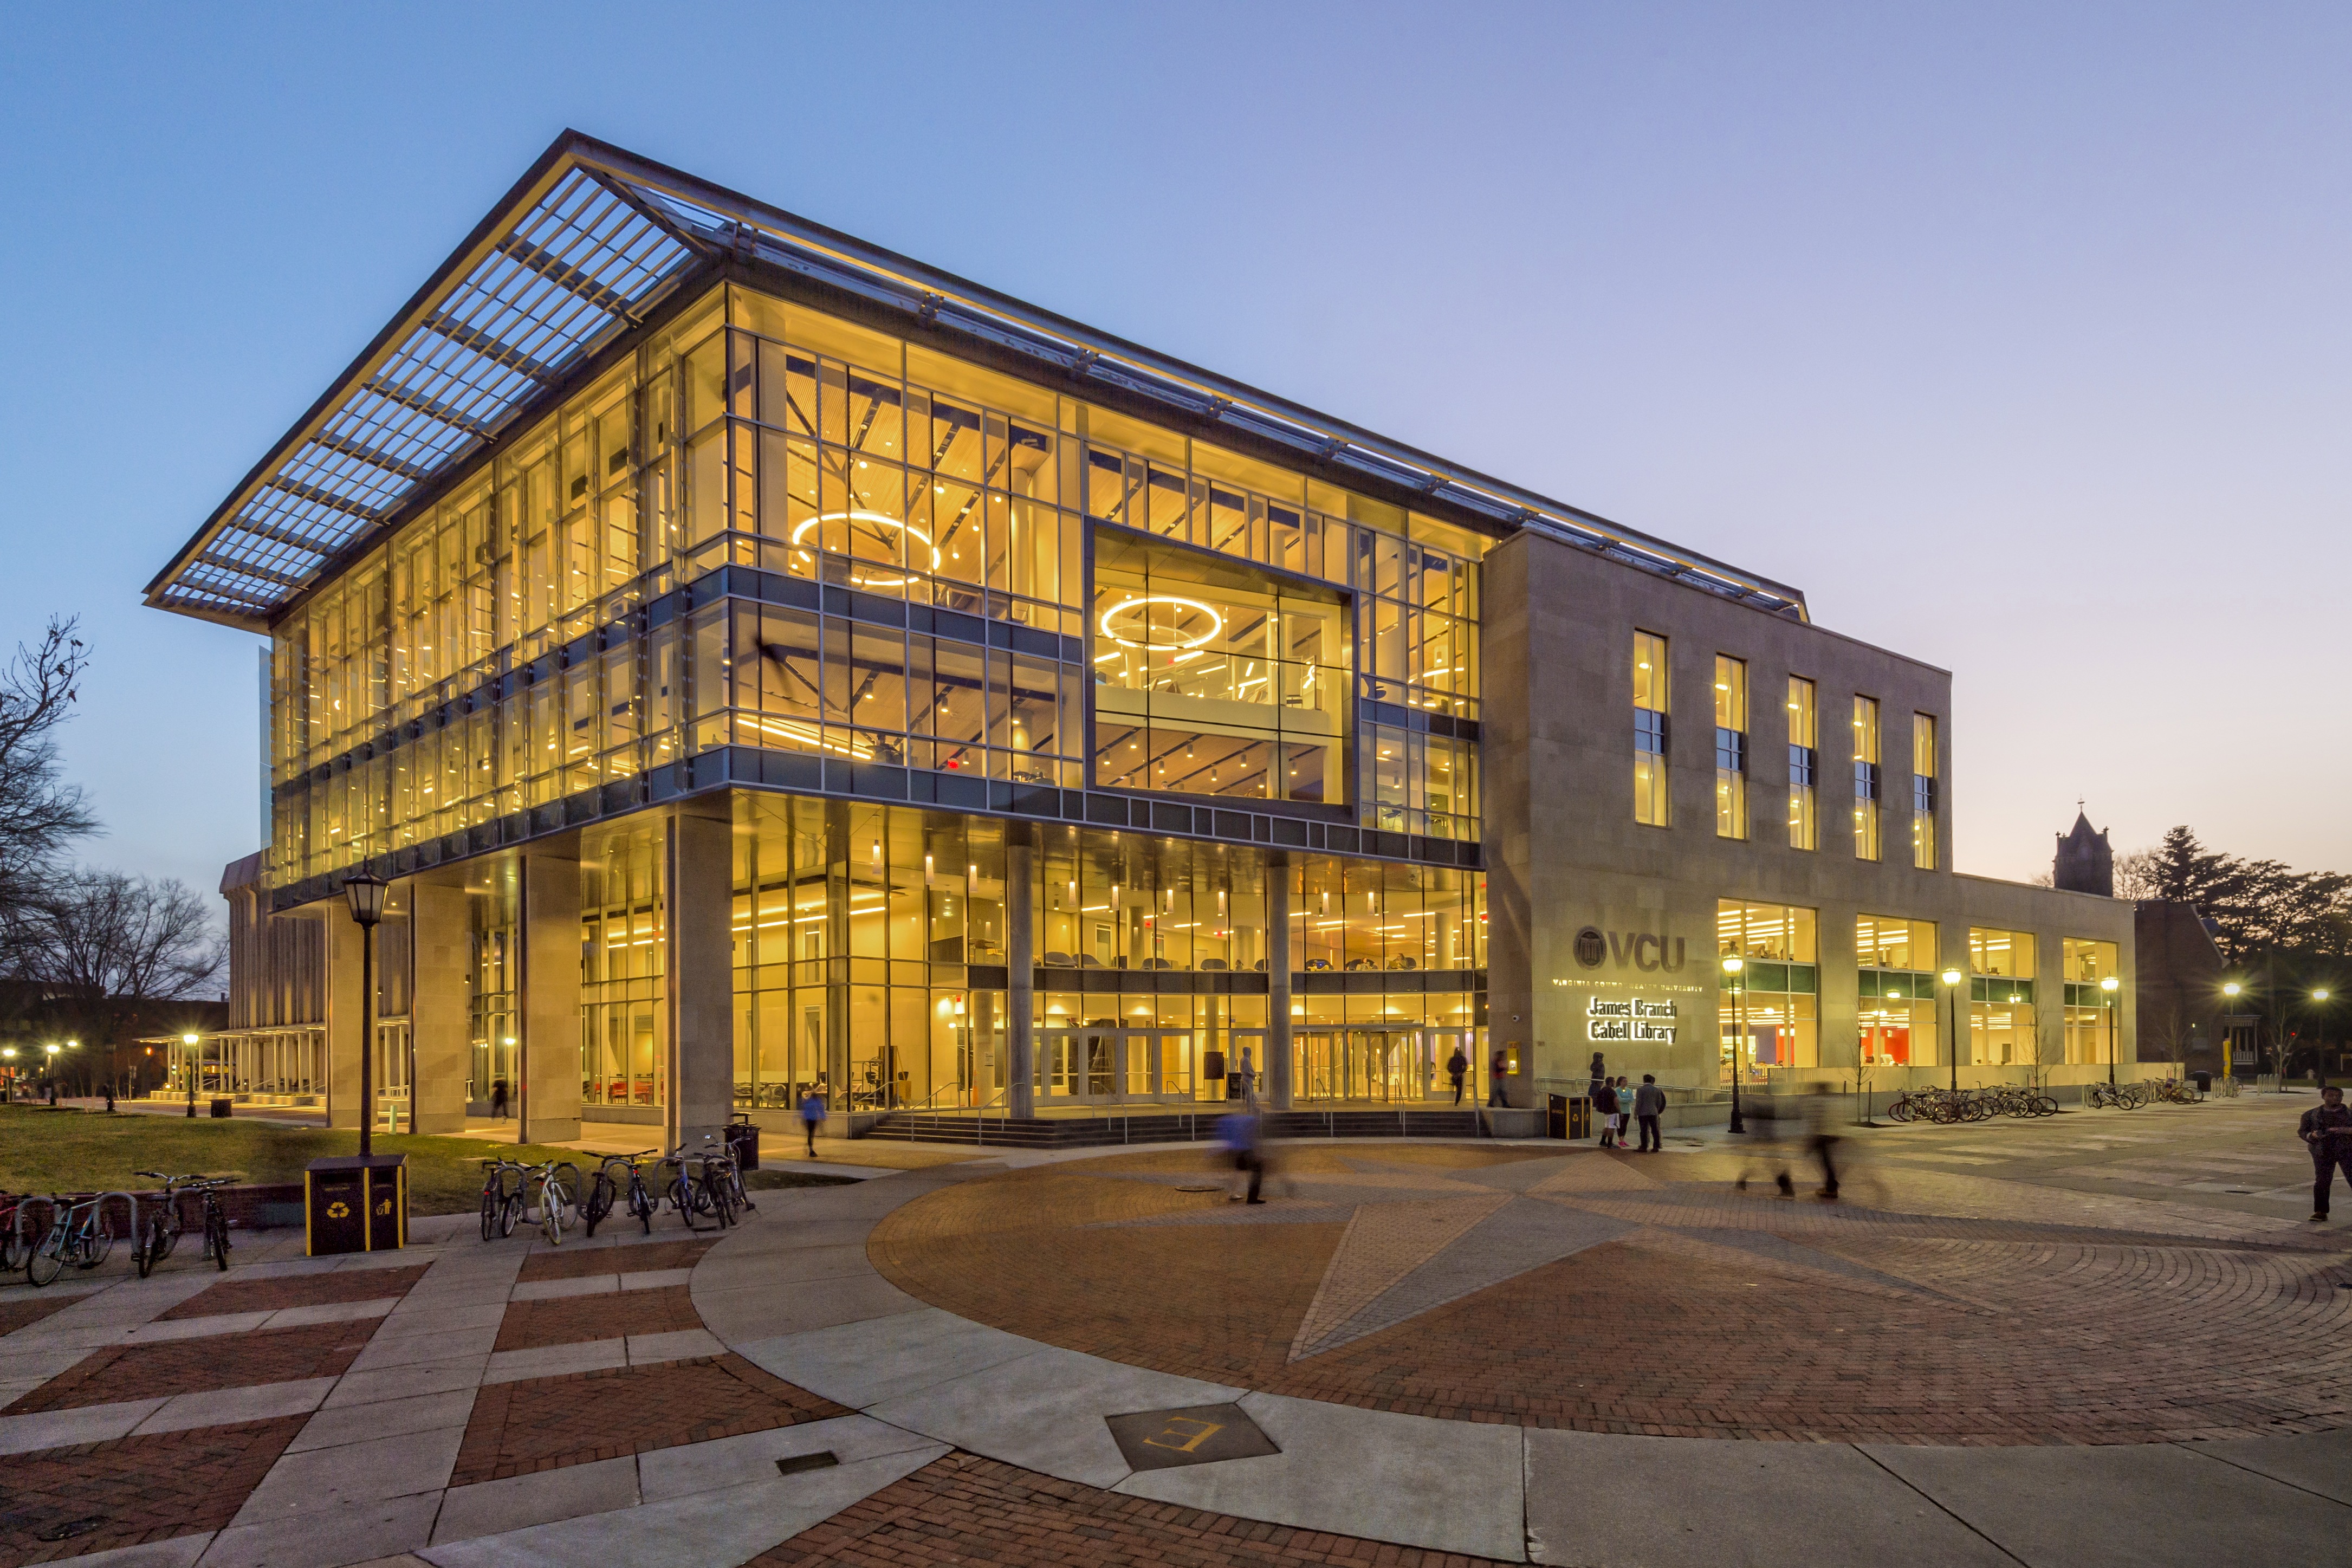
(2015, 334)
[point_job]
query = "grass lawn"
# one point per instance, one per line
(68, 1150)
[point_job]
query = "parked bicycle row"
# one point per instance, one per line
(80, 1234)
(2132, 1096)
(704, 1184)
(1945, 1105)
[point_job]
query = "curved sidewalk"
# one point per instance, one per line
(798, 1298)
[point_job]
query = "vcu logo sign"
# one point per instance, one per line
(1645, 950)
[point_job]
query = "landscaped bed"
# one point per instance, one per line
(71, 1150)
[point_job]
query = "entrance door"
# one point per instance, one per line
(1110, 1066)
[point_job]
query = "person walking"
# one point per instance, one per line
(2328, 1128)
(498, 1099)
(1240, 1133)
(1457, 1068)
(1496, 1072)
(812, 1117)
(1649, 1104)
(1604, 1106)
(1819, 1139)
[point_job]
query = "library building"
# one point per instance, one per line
(758, 663)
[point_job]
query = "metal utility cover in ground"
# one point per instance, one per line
(1196, 1435)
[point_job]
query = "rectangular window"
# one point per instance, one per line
(1730, 747)
(2001, 1020)
(1865, 778)
(1768, 1009)
(1804, 763)
(1895, 991)
(2094, 989)
(1923, 791)
(1650, 802)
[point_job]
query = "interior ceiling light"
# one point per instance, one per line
(872, 519)
(1216, 622)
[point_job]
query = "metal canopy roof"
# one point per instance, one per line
(583, 247)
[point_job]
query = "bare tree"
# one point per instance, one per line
(99, 944)
(39, 813)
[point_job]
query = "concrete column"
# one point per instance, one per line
(440, 926)
(547, 1109)
(346, 1013)
(702, 960)
(1020, 972)
(1280, 1092)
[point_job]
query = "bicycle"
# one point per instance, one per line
(502, 1204)
(606, 1188)
(555, 1199)
(166, 1227)
(76, 1237)
(705, 1191)
(16, 1247)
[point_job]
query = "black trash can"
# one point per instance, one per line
(744, 1142)
(2204, 1081)
(352, 1203)
(221, 1104)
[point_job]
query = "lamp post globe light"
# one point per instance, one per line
(1952, 978)
(366, 895)
(1734, 967)
(191, 1040)
(9, 1055)
(2111, 986)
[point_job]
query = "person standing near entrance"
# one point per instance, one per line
(2328, 1128)
(1604, 1106)
(1457, 1068)
(811, 1116)
(1649, 1104)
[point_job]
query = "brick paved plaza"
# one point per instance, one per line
(1447, 1353)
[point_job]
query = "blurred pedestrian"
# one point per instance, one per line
(812, 1117)
(2328, 1128)
(1241, 1134)
(1649, 1104)
(1819, 1139)
(497, 1099)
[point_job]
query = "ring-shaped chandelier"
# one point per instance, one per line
(874, 518)
(1216, 622)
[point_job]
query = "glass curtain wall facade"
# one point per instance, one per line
(518, 646)
(1651, 794)
(1805, 765)
(1865, 778)
(1895, 991)
(1730, 747)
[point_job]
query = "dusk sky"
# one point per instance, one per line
(2015, 335)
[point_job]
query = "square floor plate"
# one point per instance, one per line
(1196, 1435)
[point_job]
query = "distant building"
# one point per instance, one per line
(2084, 863)
(2179, 985)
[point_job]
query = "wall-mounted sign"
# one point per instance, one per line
(1633, 1019)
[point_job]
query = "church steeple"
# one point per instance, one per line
(2083, 864)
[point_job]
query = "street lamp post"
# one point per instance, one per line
(366, 895)
(2111, 986)
(1952, 978)
(2231, 990)
(192, 1041)
(2318, 1047)
(1734, 966)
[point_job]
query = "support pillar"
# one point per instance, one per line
(1020, 971)
(1280, 1091)
(547, 1104)
(439, 928)
(346, 1015)
(701, 982)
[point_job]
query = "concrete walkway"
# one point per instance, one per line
(373, 1468)
(802, 1301)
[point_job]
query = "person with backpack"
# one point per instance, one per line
(1457, 1068)
(1649, 1104)
(812, 1117)
(1604, 1106)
